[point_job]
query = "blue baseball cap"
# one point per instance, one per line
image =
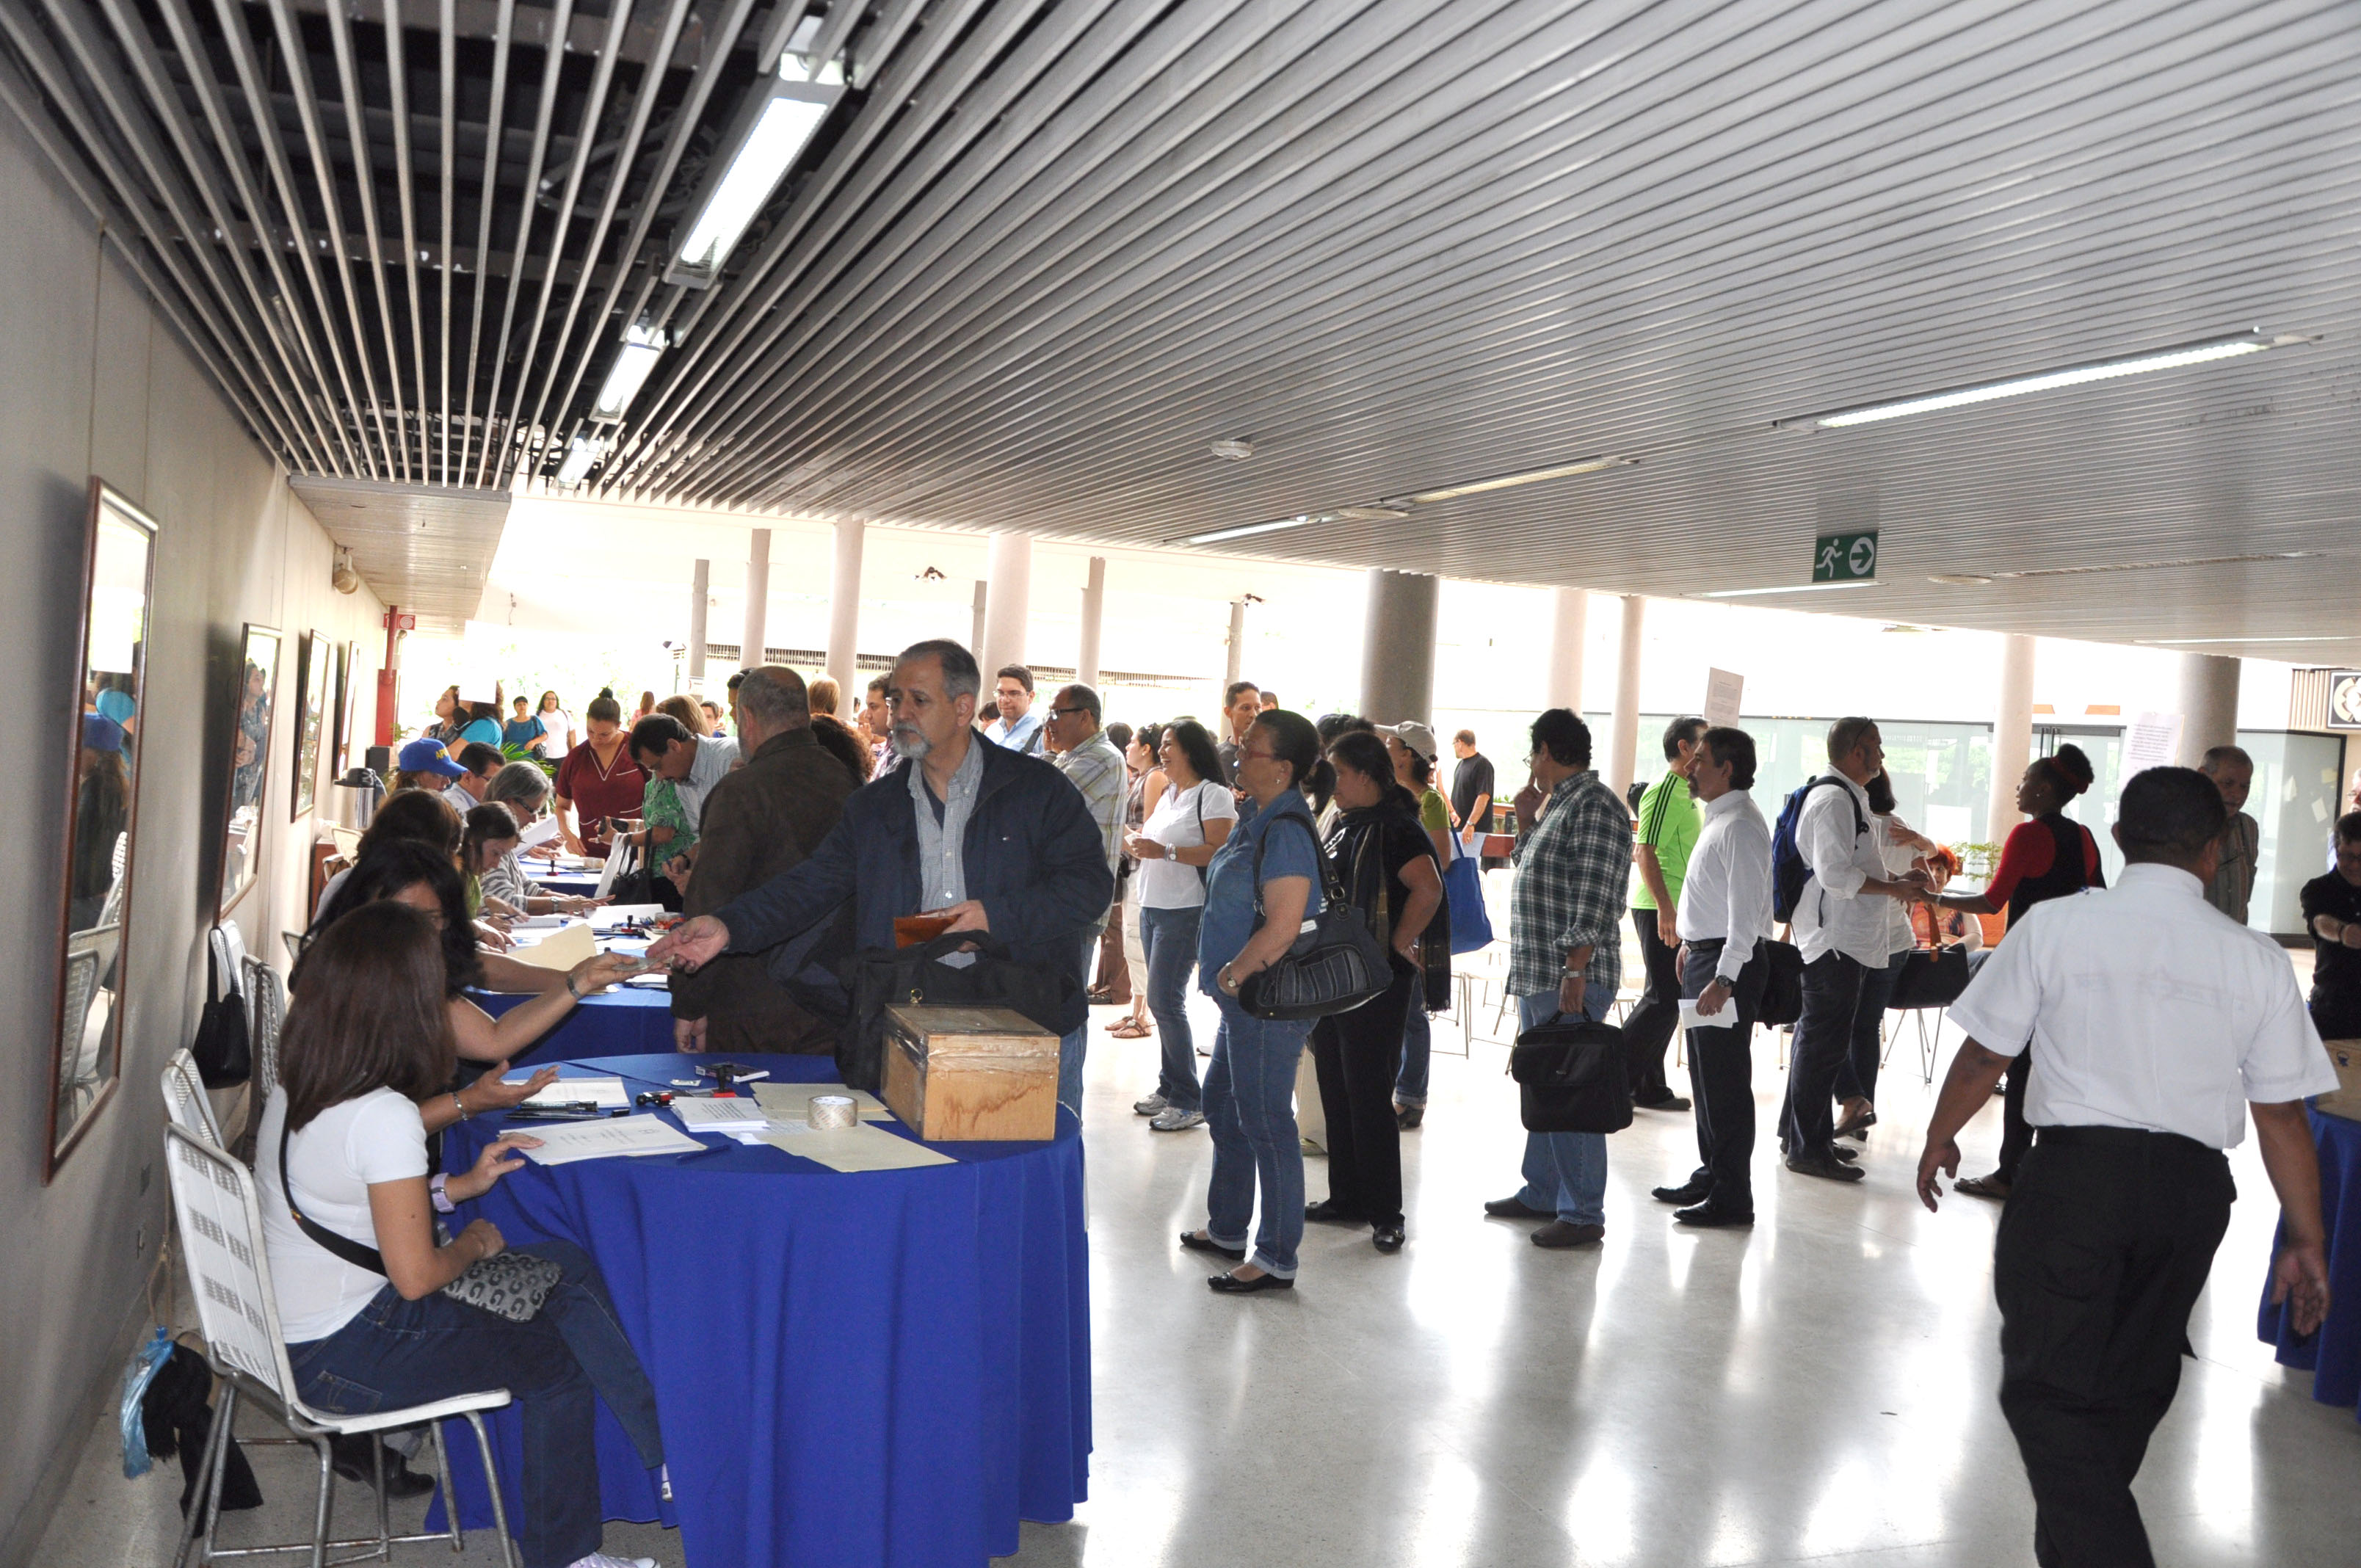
(100, 733)
(427, 757)
(116, 705)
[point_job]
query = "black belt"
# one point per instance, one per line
(2115, 1138)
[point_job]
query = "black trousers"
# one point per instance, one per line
(1832, 985)
(2015, 1132)
(1858, 1075)
(2104, 1247)
(1721, 1070)
(1650, 1027)
(1355, 1056)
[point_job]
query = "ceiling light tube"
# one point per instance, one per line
(1509, 481)
(642, 347)
(2049, 381)
(581, 456)
(2258, 637)
(769, 134)
(1788, 588)
(1217, 535)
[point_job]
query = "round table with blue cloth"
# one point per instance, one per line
(2333, 1355)
(868, 1368)
(622, 1021)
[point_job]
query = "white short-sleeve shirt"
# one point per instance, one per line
(332, 1159)
(2148, 1008)
(1172, 884)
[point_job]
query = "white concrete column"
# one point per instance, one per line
(1398, 646)
(1624, 720)
(975, 620)
(2209, 705)
(758, 598)
(700, 589)
(1086, 659)
(844, 612)
(1008, 604)
(1234, 658)
(2012, 747)
(1569, 624)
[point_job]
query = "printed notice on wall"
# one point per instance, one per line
(2152, 741)
(1722, 691)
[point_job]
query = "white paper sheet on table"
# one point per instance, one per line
(562, 948)
(700, 1115)
(604, 1092)
(793, 1101)
(619, 1135)
(856, 1148)
(539, 923)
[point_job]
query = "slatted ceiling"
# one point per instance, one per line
(428, 550)
(1062, 244)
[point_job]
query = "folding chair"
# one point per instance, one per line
(220, 1225)
(184, 1099)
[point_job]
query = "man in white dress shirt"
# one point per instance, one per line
(2155, 1020)
(1842, 925)
(1724, 919)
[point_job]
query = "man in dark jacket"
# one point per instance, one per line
(1000, 842)
(760, 819)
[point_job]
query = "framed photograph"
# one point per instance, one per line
(102, 788)
(250, 763)
(315, 674)
(348, 702)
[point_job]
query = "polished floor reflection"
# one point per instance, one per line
(1819, 1388)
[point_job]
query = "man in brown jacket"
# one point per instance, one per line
(764, 817)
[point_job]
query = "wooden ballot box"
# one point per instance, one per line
(956, 1073)
(2346, 1100)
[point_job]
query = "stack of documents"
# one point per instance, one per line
(792, 1102)
(572, 1141)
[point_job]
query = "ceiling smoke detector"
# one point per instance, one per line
(1233, 451)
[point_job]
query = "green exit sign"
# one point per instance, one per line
(1844, 557)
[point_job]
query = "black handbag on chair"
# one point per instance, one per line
(1930, 979)
(1571, 1078)
(880, 978)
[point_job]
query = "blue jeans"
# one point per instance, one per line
(1417, 1046)
(1071, 1048)
(1566, 1173)
(397, 1353)
(1171, 938)
(1250, 1111)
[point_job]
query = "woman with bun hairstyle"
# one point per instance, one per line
(599, 778)
(2051, 857)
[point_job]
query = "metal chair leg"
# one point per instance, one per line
(208, 1463)
(384, 1508)
(443, 1473)
(327, 1498)
(492, 1479)
(225, 1422)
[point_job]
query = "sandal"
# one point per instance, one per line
(1124, 1029)
(1983, 1186)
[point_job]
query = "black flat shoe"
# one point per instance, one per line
(1196, 1243)
(351, 1456)
(1409, 1117)
(1516, 1209)
(1389, 1238)
(1669, 1101)
(1845, 1155)
(1709, 1214)
(1687, 1193)
(1825, 1166)
(1328, 1211)
(1231, 1285)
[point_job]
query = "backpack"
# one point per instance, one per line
(1789, 871)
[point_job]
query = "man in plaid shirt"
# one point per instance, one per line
(1566, 958)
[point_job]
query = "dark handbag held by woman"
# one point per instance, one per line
(510, 1285)
(1335, 964)
(1570, 1077)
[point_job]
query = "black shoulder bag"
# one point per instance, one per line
(510, 1285)
(1571, 1078)
(223, 1055)
(1336, 963)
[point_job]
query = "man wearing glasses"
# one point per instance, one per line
(1080, 750)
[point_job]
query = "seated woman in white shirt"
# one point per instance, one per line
(416, 875)
(359, 1273)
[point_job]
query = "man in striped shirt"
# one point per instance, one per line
(1668, 830)
(1565, 959)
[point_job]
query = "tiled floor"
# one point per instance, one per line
(1819, 1388)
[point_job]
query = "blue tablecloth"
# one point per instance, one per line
(627, 1021)
(888, 1367)
(2333, 1355)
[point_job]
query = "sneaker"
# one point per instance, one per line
(1173, 1119)
(600, 1560)
(1150, 1106)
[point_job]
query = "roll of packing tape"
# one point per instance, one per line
(833, 1111)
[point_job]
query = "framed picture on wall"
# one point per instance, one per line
(249, 762)
(315, 672)
(348, 702)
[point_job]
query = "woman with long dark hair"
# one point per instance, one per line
(347, 1222)
(2051, 857)
(1263, 883)
(1174, 845)
(1139, 760)
(1388, 869)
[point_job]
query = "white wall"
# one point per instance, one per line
(92, 380)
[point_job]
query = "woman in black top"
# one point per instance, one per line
(1387, 866)
(2332, 913)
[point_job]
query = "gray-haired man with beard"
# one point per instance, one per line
(999, 841)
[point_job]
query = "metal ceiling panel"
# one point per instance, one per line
(1044, 252)
(426, 549)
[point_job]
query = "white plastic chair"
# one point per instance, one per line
(184, 1099)
(220, 1224)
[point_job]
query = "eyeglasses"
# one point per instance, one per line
(1247, 756)
(1066, 712)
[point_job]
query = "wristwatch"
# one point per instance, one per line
(437, 1191)
(1172, 852)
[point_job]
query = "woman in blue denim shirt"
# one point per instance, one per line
(1250, 1086)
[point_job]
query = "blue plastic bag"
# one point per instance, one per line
(1463, 886)
(145, 1363)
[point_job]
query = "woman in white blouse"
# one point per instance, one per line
(1185, 824)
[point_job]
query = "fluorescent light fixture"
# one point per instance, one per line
(641, 349)
(1234, 451)
(2049, 381)
(1381, 511)
(1509, 481)
(1219, 534)
(1788, 588)
(2258, 637)
(769, 134)
(581, 456)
